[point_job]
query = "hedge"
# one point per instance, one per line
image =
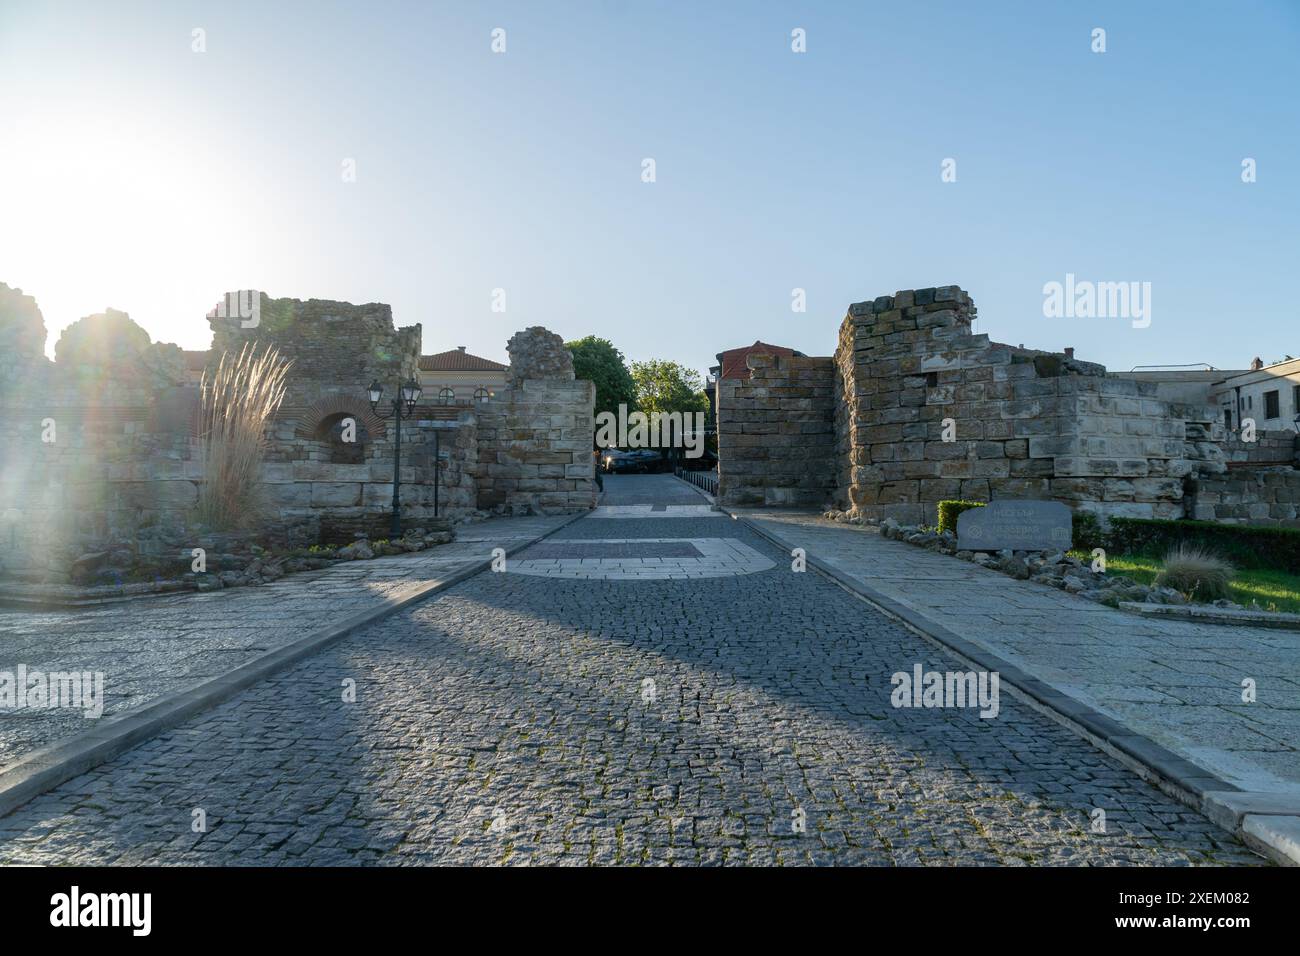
(949, 510)
(1087, 533)
(1246, 546)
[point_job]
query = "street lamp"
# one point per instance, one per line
(403, 406)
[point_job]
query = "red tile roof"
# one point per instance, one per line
(733, 360)
(458, 360)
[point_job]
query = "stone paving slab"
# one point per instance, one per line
(1178, 683)
(147, 650)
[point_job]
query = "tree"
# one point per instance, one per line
(665, 386)
(596, 360)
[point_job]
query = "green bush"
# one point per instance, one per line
(1245, 546)
(949, 510)
(1087, 533)
(1196, 572)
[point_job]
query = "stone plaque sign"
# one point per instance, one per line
(1017, 525)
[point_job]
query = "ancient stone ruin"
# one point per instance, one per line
(913, 409)
(102, 457)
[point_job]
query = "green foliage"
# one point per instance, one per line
(596, 360)
(1196, 572)
(1087, 533)
(949, 510)
(1243, 545)
(666, 386)
(1271, 590)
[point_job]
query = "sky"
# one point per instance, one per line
(140, 174)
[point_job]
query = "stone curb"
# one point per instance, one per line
(1211, 615)
(1177, 776)
(698, 490)
(12, 598)
(47, 767)
(1277, 837)
(1268, 823)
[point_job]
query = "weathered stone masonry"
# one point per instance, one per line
(1028, 424)
(778, 437)
(125, 470)
(535, 440)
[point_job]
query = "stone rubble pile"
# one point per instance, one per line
(1053, 568)
(265, 570)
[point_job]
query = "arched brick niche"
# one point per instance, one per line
(323, 411)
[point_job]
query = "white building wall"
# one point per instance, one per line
(1252, 389)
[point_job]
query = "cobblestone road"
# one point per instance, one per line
(523, 719)
(150, 647)
(1177, 682)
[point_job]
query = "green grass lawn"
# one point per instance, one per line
(1274, 590)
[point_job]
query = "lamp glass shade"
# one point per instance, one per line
(375, 391)
(411, 392)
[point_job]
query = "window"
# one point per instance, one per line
(1227, 418)
(447, 396)
(1295, 399)
(1272, 407)
(481, 394)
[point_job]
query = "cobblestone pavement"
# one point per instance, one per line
(1176, 682)
(530, 720)
(147, 648)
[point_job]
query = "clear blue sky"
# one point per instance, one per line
(137, 174)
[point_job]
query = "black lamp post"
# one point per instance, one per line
(403, 406)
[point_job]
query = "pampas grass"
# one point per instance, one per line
(237, 402)
(1196, 572)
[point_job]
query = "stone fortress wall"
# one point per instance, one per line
(535, 438)
(776, 432)
(908, 375)
(124, 467)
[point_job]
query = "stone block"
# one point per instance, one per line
(335, 494)
(295, 494)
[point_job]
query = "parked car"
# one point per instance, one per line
(708, 461)
(634, 460)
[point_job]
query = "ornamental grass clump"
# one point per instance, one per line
(238, 400)
(1196, 572)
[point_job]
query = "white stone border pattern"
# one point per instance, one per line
(720, 558)
(644, 511)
